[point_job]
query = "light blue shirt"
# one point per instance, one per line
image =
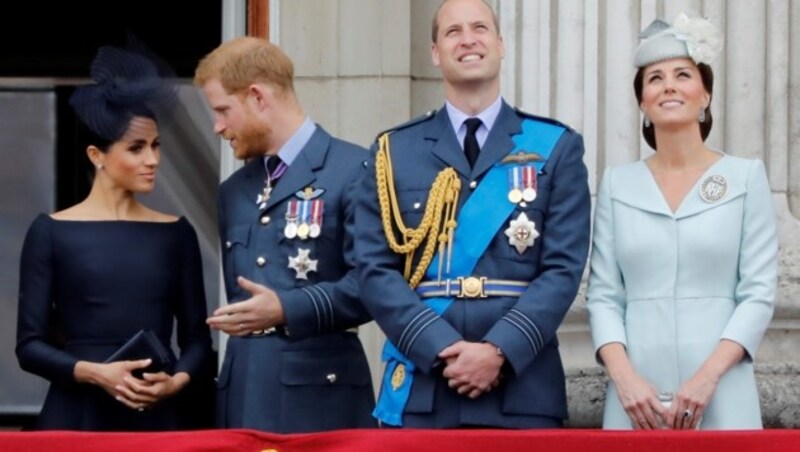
(291, 149)
(487, 117)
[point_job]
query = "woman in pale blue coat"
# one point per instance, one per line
(684, 260)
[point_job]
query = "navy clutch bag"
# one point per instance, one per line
(142, 345)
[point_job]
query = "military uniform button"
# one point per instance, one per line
(331, 378)
(473, 184)
(228, 244)
(261, 261)
(265, 219)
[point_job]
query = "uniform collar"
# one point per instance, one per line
(291, 149)
(487, 117)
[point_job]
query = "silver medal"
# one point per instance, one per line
(529, 194)
(290, 230)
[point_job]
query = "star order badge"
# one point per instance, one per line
(302, 263)
(521, 233)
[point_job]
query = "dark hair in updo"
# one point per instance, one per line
(707, 77)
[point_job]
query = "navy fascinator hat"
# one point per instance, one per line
(127, 82)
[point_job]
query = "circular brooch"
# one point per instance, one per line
(713, 188)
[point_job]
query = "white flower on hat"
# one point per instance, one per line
(703, 40)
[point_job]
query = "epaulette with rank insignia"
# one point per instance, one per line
(430, 114)
(542, 118)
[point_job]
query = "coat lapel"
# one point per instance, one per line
(635, 186)
(300, 173)
(734, 177)
(499, 142)
(446, 147)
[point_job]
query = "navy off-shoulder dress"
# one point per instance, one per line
(85, 288)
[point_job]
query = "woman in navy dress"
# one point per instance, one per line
(94, 274)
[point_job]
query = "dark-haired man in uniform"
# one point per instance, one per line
(472, 237)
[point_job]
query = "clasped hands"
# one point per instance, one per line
(472, 368)
(646, 412)
(117, 380)
(263, 310)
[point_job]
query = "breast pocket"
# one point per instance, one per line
(324, 247)
(412, 204)
(235, 256)
(323, 387)
(329, 243)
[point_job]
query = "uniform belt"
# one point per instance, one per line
(283, 331)
(279, 330)
(471, 287)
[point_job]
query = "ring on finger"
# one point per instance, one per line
(687, 413)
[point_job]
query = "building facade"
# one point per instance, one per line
(363, 66)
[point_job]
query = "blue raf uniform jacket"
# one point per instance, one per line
(532, 391)
(313, 374)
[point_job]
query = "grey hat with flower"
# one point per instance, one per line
(687, 37)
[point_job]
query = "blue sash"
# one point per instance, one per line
(480, 219)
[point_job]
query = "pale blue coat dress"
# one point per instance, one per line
(670, 286)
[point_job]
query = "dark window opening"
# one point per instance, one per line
(59, 39)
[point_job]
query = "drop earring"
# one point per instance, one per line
(701, 117)
(647, 122)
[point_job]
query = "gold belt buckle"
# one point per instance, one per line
(471, 287)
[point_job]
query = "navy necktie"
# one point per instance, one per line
(471, 146)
